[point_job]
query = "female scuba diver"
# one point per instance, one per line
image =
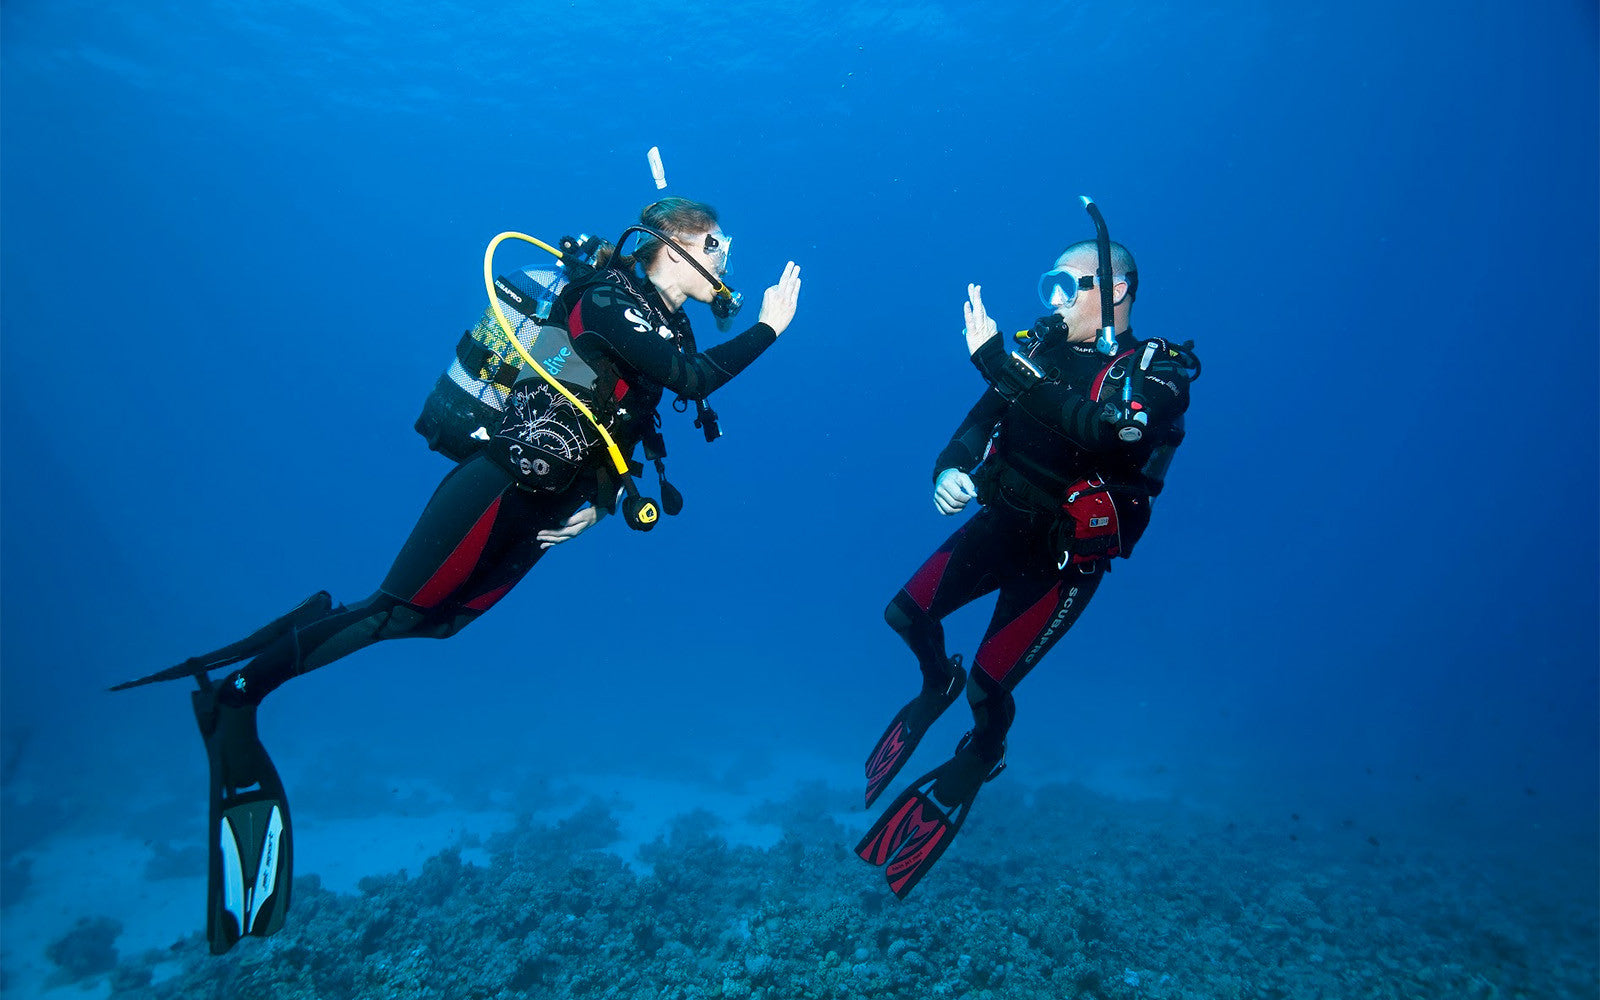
(483, 530)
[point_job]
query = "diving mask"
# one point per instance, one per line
(714, 246)
(1059, 287)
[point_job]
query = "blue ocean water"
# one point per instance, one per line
(239, 242)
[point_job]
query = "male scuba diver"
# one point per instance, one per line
(1063, 452)
(534, 483)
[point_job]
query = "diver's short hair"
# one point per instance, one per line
(1122, 263)
(672, 215)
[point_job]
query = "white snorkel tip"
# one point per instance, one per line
(657, 171)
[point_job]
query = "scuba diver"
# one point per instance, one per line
(618, 337)
(1070, 442)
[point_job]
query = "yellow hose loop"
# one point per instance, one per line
(505, 325)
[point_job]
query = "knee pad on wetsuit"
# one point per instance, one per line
(925, 636)
(903, 615)
(414, 623)
(377, 618)
(993, 710)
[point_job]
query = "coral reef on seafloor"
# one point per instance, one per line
(1057, 893)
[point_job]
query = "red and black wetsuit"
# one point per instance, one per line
(477, 536)
(1032, 447)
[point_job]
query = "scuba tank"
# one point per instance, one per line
(469, 399)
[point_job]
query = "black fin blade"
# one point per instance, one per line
(307, 611)
(250, 849)
(252, 869)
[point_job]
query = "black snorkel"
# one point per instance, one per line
(727, 302)
(1106, 341)
(724, 306)
(1129, 419)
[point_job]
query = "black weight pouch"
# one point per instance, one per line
(544, 441)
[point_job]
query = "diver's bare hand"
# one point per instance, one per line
(953, 491)
(980, 328)
(779, 301)
(574, 526)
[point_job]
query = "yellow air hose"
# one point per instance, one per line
(505, 325)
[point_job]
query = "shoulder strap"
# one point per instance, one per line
(1100, 380)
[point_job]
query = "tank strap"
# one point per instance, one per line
(517, 291)
(476, 358)
(1100, 380)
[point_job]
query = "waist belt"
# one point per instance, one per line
(998, 476)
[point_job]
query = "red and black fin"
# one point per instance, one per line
(899, 741)
(914, 832)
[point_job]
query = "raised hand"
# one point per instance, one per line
(980, 328)
(779, 301)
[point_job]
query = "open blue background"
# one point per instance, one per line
(240, 241)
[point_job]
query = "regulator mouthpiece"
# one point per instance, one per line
(726, 307)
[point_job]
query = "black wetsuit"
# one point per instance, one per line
(1032, 449)
(477, 536)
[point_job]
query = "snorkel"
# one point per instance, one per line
(1130, 419)
(724, 307)
(726, 303)
(1106, 341)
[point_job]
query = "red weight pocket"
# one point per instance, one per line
(1100, 520)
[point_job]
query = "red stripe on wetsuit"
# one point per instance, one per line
(462, 561)
(925, 584)
(575, 330)
(1001, 651)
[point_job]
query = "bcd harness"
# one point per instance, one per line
(521, 391)
(1096, 517)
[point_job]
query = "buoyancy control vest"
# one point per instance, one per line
(469, 399)
(543, 440)
(1101, 507)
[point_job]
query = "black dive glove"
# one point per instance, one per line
(1010, 374)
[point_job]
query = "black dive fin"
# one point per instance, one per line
(899, 741)
(307, 611)
(913, 833)
(251, 852)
